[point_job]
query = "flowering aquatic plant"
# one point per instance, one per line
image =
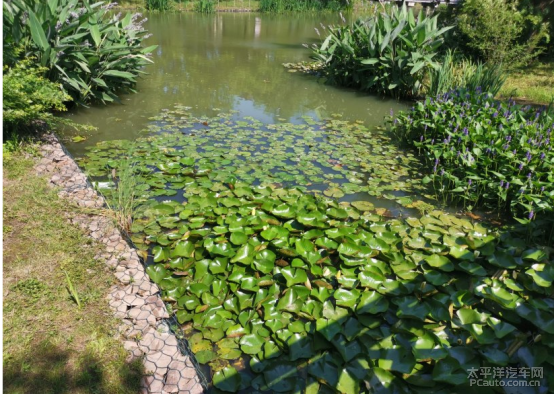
(492, 154)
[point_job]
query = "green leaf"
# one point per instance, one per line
(37, 32)
(227, 379)
(251, 344)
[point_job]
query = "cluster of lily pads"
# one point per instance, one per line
(284, 291)
(484, 152)
(333, 157)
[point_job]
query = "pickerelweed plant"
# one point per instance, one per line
(486, 153)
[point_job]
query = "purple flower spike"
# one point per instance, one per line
(531, 214)
(420, 138)
(469, 182)
(507, 185)
(520, 166)
(501, 184)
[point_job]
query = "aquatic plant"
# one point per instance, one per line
(280, 6)
(205, 6)
(389, 53)
(335, 158)
(158, 5)
(280, 290)
(93, 53)
(486, 153)
(454, 73)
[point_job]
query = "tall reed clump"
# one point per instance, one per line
(158, 5)
(465, 73)
(123, 198)
(389, 53)
(280, 6)
(205, 6)
(486, 153)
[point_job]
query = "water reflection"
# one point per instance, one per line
(218, 63)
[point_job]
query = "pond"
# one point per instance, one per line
(281, 290)
(230, 61)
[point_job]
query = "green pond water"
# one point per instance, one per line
(230, 61)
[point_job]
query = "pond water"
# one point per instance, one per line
(229, 61)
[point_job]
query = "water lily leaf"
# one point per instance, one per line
(280, 376)
(205, 356)
(222, 249)
(328, 328)
(300, 346)
(264, 261)
(245, 255)
(160, 254)
(273, 232)
(251, 344)
(183, 249)
(334, 192)
(227, 379)
(325, 368)
(440, 262)
(294, 275)
(157, 273)
(469, 316)
(284, 211)
(163, 209)
(238, 238)
(363, 205)
(348, 384)
(411, 307)
(397, 359)
(372, 302)
(473, 268)
(347, 298)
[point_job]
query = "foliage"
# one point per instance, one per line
(280, 6)
(91, 52)
(123, 195)
(205, 6)
(499, 32)
(389, 53)
(335, 158)
(29, 97)
(158, 5)
(465, 73)
(321, 296)
(486, 153)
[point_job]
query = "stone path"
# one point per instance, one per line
(135, 299)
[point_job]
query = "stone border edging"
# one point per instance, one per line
(135, 299)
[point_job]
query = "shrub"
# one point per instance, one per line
(499, 32)
(486, 153)
(158, 5)
(389, 53)
(279, 6)
(205, 6)
(29, 97)
(91, 52)
(454, 73)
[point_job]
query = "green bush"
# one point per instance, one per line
(389, 53)
(454, 73)
(158, 5)
(486, 153)
(500, 31)
(205, 6)
(93, 53)
(279, 6)
(29, 97)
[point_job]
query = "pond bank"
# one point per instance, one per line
(134, 299)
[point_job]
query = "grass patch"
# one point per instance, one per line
(533, 84)
(50, 344)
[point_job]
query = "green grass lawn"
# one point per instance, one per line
(51, 345)
(534, 84)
